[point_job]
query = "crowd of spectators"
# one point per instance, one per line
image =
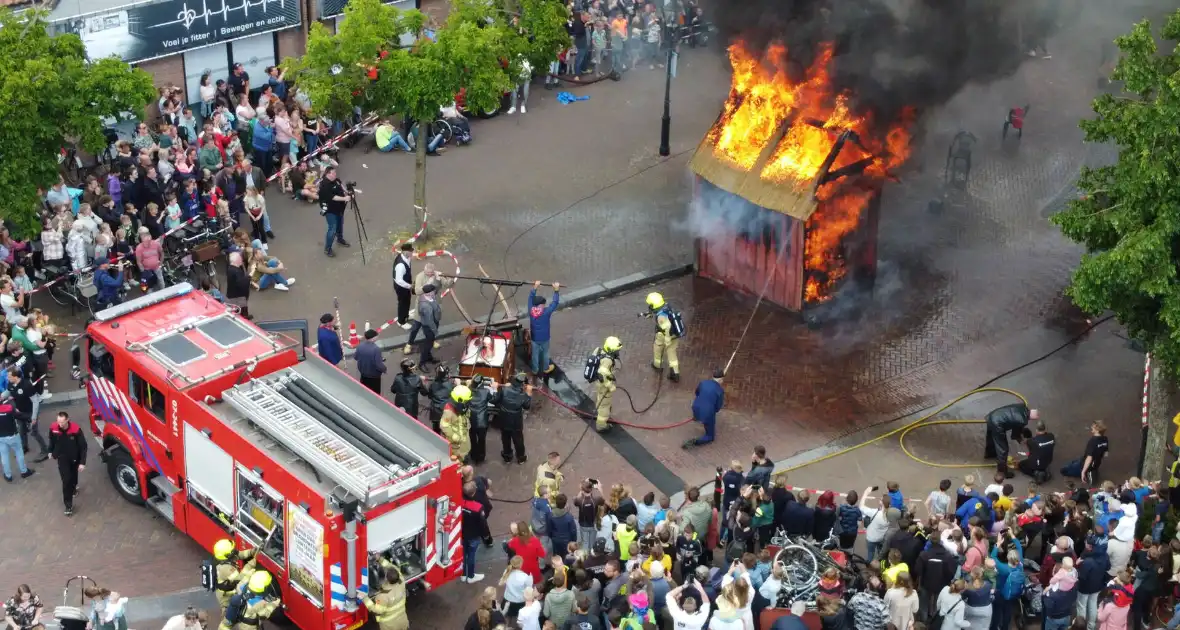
(623, 34)
(977, 556)
(213, 160)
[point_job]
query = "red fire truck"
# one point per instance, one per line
(230, 430)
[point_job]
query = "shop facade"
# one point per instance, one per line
(179, 41)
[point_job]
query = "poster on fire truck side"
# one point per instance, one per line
(306, 553)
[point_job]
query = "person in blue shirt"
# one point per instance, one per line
(710, 398)
(109, 282)
(539, 314)
(263, 142)
(973, 505)
(895, 498)
(274, 78)
(328, 340)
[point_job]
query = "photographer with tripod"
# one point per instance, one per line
(334, 200)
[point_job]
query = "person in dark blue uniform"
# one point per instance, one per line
(710, 398)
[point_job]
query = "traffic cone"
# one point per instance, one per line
(353, 340)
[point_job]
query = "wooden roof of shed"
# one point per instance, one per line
(792, 198)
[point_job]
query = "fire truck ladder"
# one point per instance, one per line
(340, 460)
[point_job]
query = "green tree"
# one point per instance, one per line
(477, 51)
(1128, 216)
(50, 95)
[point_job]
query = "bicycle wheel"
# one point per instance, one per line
(443, 127)
(58, 293)
(210, 273)
(1162, 608)
(799, 564)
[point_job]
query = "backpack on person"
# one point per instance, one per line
(590, 370)
(537, 521)
(675, 322)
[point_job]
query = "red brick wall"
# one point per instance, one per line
(165, 71)
(291, 43)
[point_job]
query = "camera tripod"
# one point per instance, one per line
(361, 234)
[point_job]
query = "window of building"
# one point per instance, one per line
(146, 395)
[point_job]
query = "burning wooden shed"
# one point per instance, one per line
(788, 185)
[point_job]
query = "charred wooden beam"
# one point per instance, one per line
(856, 168)
(771, 147)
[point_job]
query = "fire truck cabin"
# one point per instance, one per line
(230, 431)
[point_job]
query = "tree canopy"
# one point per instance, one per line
(50, 94)
(1129, 214)
(476, 50)
(384, 61)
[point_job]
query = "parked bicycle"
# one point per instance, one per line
(192, 255)
(75, 169)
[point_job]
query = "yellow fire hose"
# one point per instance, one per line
(920, 423)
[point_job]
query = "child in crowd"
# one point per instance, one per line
(895, 498)
(21, 280)
(997, 484)
(939, 502)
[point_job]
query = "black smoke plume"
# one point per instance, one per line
(892, 54)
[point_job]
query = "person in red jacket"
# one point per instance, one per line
(475, 529)
(528, 547)
(67, 446)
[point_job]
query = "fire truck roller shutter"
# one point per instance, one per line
(345, 429)
(409, 458)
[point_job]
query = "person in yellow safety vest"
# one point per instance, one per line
(388, 606)
(549, 475)
(604, 386)
(665, 342)
(229, 576)
(260, 605)
(455, 424)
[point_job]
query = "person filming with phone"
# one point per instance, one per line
(686, 612)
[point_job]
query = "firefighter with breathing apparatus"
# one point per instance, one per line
(669, 330)
(388, 606)
(440, 393)
(600, 369)
(407, 387)
(455, 423)
(228, 577)
(251, 605)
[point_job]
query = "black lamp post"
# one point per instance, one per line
(666, 121)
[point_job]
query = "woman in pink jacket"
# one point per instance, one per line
(1113, 614)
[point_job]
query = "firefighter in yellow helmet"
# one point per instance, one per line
(604, 382)
(456, 423)
(228, 575)
(388, 605)
(667, 335)
(261, 601)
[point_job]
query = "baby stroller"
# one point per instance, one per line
(1029, 611)
(73, 617)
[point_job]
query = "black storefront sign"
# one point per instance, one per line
(332, 8)
(166, 27)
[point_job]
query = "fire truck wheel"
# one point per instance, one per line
(125, 477)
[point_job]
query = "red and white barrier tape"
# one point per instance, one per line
(328, 144)
(113, 260)
(417, 235)
(1146, 386)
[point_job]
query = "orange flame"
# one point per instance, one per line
(803, 119)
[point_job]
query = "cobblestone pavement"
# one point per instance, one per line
(1056, 386)
(123, 546)
(518, 171)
